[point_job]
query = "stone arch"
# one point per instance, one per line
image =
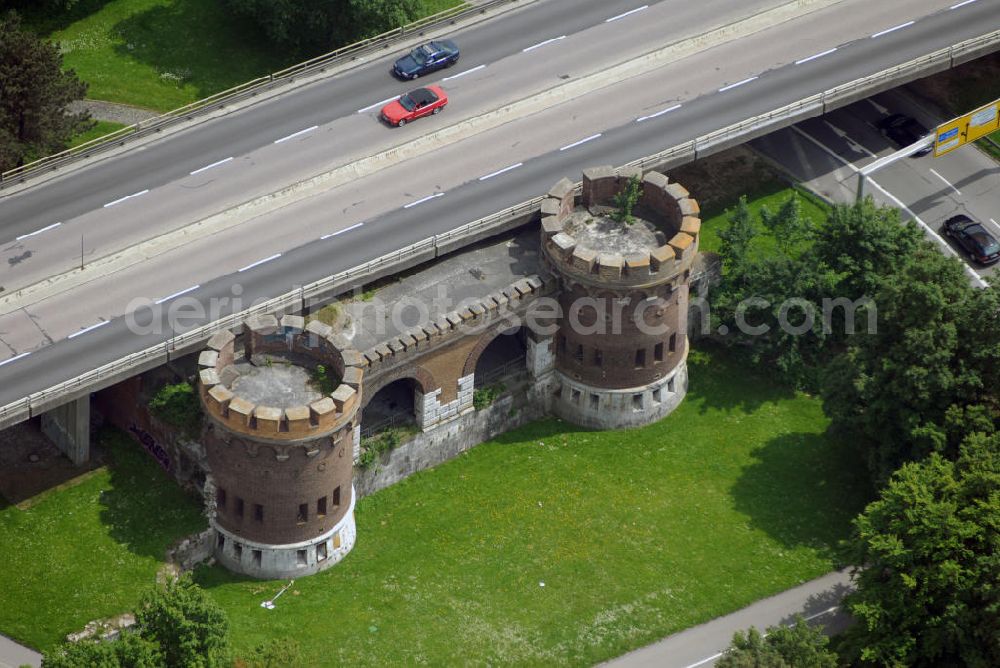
(420, 376)
(488, 338)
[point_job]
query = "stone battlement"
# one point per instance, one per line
(275, 419)
(667, 206)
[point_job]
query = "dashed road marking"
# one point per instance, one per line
(207, 167)
(738, 83)
(295, 134)
(893, 29)
(462, 74)
(815, 56)
(177, 294)
(122, 199)
(541, 44)
(582, 141)
(658, 114)
(88, 329)
(423, 199)
(628, 13)
(500, 171)
(44, 229)
(260, 262)
(346, 229)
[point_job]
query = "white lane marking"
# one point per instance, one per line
(893, 29)
(764, 635)
(88, 329)
(260, 262)
(44, 229)
(295, 134)
(541, 44)
(379, 104)
(993, 221)
(628, 13)
(15, 358)
(657, 114)
(500, 171)
(738, 83)
(346, 229)
(177, 294)
(947, 182)
(962, 4)
(582, 141)
(815, 56)
(944, 244)
(122, 199)
(207, 167)
(423, 199)
(462, 74)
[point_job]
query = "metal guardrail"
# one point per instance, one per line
(295, 300)
(247, 89)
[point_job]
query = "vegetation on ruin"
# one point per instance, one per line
(504, 547)
(177, 405)
(323, 380)
(485, 396)
(626, 200)
(89, 550)
(374, 446)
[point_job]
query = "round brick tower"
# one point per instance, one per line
(621, 347)
(280, 439)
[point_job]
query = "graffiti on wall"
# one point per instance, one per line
(151, 446)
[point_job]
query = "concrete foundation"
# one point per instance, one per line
(276, 562)
(69, 428)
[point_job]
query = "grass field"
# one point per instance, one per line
(100, 129)
(89, 550)
(163, 54)
(556, 546)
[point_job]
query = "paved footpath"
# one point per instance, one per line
(13, 655)
(700, 646)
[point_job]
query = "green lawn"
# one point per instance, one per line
(163, 54)
(89, 550)
(772, 196)
(100, 129)
(635, 535)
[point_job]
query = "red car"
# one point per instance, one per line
(413, 105)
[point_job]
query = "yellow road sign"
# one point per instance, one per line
(964, 129)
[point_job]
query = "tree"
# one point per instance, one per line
(278, 653)
(798, 646)
(735, 241)
(926, 560)
(34, 94)
(129, 651)
(185, 623)
(626, 200)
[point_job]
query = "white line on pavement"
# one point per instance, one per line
(379, 104)
(962, 4)
(816, 55)
(346, 229)
(295, 134)
(500, 171)
(628, 13)
(88, 329)
(582, 141)
(541, 44)
(946, 181)
(462, 74)
(176, 294)
(44, 229)
(122, 199)
(207, 167)
(15, 358)
(260, 262)
(423, 199)
(657, 114)
(893, 29)
(738, 83)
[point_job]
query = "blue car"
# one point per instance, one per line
(426, 58)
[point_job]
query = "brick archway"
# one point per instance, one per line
(420, 376)
(483, 343)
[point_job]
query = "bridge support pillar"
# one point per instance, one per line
(68, 426)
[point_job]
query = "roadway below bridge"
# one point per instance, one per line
(333, 228)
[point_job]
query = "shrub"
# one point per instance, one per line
(177, 405)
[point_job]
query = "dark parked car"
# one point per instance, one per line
(974, 239)
(903, 130)
(413, 105)
(426, 59)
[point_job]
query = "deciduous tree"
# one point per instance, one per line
(797, 646)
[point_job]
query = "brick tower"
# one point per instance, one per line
(621, 347)
(280, 440)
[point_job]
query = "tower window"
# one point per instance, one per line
(637, 402)
(303, 513)
(578, 355)
(220, 498)
(300, 558)
(321, 507)
(256, 556)
(673, 342)
(658, 352)
(598, 357)
(238, 551)
(594, 401)
(336, 496)
(239, 507)
(640, 358)
(258, 512)
(561, 344)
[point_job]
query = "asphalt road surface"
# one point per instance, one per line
(714, 88)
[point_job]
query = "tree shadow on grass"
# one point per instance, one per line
(44, 20)
(143, 508)
(803, 489)
(198, 43)
(720, 379)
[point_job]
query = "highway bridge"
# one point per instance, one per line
(304, 194)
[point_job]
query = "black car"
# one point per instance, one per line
(902, 130)
(426, 58)
(975, 239)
